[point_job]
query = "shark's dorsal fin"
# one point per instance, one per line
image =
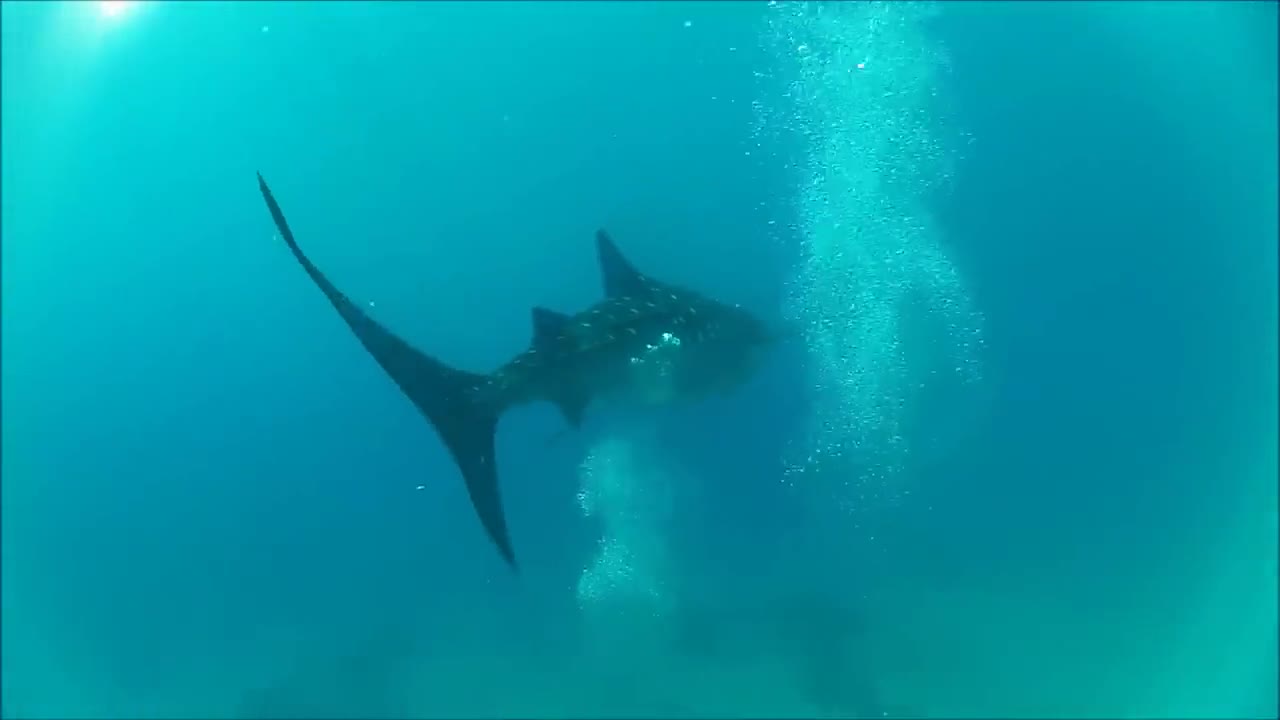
(621, 279)
(548, 325)
(548, 329)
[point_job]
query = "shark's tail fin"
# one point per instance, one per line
(467, 424)
(451, 399)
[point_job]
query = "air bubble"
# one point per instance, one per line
(875, 276)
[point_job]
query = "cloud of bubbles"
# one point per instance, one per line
(624, 486)
(886, 315)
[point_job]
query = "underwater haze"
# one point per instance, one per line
(1017, 456)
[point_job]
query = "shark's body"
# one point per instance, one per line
(646, 341)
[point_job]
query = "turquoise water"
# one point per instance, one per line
(1020, 461)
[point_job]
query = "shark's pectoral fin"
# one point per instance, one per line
(445, 395)
(572, 401)
(621, 279)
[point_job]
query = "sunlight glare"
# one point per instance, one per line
(112, 9)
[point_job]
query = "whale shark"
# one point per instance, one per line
(646, 342)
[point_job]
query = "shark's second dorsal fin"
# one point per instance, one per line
(621, 279)
(548, 325)
(548, 330)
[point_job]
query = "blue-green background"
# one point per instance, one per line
(209, 490)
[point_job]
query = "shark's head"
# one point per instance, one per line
(739, 328)
(695, 346)
(741, 342)
(714, 357)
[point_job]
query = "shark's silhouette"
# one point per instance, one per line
(646, 341)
